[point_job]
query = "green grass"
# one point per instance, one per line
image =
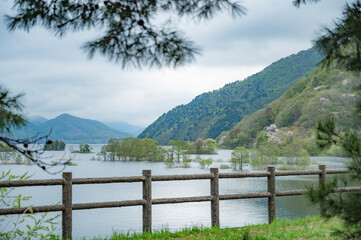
(308, 228)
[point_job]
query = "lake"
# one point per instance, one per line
(102, 222)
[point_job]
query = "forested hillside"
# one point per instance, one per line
(209, 114)
(323, 94)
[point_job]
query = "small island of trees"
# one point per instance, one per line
(135, 149)
(54, 146)
(83, 148)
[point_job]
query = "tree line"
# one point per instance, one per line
(135, 149)
(56, 145)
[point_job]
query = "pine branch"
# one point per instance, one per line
(131, 36)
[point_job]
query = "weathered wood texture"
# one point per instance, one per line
(68, 206)
(271, 187)
(181, 200)
(147, 197)
(297, 172)
(336, 171)
(127, 203)
(215, 197)
(244, 175)
(181, 177)
(26, 183)
(67, 202)
(244, 196)
(290, 193)
(108, 180)
(36, 209)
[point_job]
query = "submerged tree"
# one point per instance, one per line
(240, 155)
(132, 31)
(55, 146)
(179, 148)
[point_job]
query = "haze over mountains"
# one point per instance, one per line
(209, 114)
(71, 129)
(125, 127)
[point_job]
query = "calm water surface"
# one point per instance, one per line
(102, 222)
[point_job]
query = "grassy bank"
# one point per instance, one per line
(308, 228)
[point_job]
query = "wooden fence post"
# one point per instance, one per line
(147, 196)
(67, 202)
(215, 197)
(322, 182)
(271, 186)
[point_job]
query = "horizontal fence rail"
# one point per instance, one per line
(68, 206)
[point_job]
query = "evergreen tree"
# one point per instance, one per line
(342, 45)
(345, 205)
(342, 48)
(11, 111)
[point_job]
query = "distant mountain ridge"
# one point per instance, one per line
(37, 120)
(125, 127)
(209, 114)
(71, 129)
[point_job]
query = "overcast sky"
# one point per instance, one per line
(57, 77)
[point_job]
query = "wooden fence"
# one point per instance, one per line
(68, 206)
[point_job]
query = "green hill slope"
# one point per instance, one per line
(324, 93)
(211, 113)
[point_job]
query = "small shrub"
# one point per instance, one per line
(225, 166)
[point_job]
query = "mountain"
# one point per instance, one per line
(37, 120)
(71, 129)
(209, 114)
(323, 94)
(31, 130)
(125, 127)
